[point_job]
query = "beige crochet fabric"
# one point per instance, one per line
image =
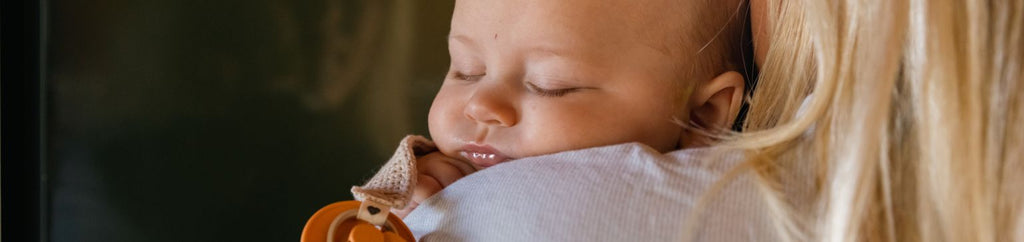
(393, 184)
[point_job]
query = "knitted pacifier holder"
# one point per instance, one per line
(369, 218)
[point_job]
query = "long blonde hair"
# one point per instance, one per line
(912, 123)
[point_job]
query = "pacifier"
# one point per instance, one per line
(355, 221)
(369, 218)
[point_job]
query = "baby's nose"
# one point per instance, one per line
(492, 105)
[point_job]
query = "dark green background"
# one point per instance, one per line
(189, 120)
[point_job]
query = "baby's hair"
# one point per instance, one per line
(718, 40)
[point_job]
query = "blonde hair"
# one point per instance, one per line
(911, 126)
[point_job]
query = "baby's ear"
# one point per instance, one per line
(715, 104)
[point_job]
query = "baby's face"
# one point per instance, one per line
(535, 77)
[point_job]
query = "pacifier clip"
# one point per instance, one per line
(369, 217)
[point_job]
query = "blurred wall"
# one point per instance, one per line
(231, 120)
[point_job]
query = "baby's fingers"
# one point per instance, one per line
(443, 169)
(425, 188)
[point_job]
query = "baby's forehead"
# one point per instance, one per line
(666, 25)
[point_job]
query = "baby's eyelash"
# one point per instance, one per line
(465, 77)
(550, 92)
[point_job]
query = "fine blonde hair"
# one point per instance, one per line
(908, 116)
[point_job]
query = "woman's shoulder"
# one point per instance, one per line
(619, 192)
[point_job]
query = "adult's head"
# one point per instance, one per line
(909, 110)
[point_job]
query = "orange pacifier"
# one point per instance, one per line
(371, 219)
(355, 221)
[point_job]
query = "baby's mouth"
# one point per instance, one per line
(482, 156)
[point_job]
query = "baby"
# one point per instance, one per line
(535, 77)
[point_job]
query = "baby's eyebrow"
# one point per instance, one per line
(546, 51)
(461, 38)
(541, 50)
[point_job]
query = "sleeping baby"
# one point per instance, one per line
(536, 77)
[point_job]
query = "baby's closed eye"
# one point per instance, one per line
(551, 92)
(467, 77)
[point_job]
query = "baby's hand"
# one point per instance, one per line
(436, 171)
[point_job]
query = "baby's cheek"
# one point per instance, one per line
(568, 133)
(440, 124)
(444, 125)
(434, 122)
(659, 132)
(656, 131)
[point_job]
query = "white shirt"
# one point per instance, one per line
(626, 192)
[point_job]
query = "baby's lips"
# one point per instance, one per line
(482, 155)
